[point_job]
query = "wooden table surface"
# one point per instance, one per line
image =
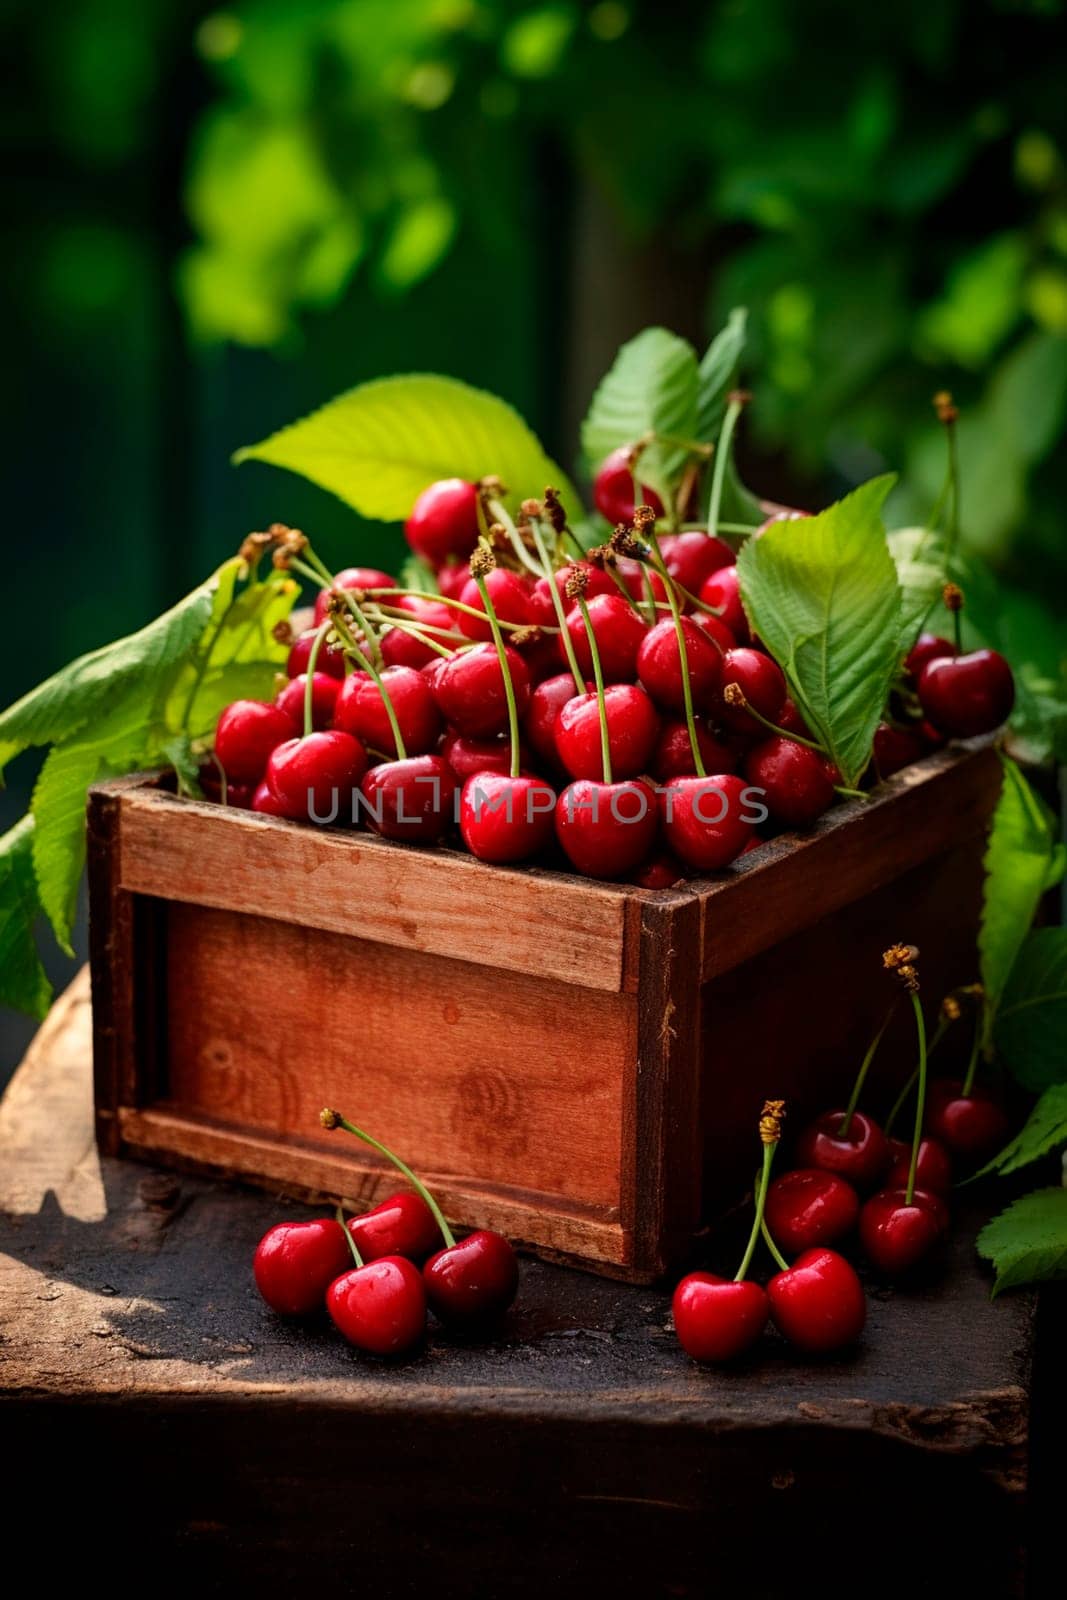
(151, 1398)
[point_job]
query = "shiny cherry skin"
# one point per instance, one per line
(452, 576)
(818, 1304)
(673, 755)
(613, 488)
(330, 659)
(690, 558)
(510, 595)
(469, 690)
(933, 1171)
(313, 779)
(444, 522)
(246, 734)
(716, 1319)
(967, 695)
(809, 1207)
(265, 803)
(412, 800)
(633, 727)
(722, 591)
(542, 654)
(927, 647)
(472, 1280)
(797, 788)
(660, 871)
(361, 710)
(400, 649)
(597, 582)
(895, 1234)
(894, 749)
(468, 756)
(324, 692)
(539, 722)
(606, 829)
(659, 665)
(295, 1263)
(352, 578)
(618, 631)
(861, 1155)
(401, 1225)
(971, 1126)
(504, 819)
(790, 720)
(761, 682)
(715, 629)
(706, 822)
(380, 1307)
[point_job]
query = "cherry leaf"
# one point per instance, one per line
(1027, 1243)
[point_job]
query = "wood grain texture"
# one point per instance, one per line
(434, 901)
(590, 1455)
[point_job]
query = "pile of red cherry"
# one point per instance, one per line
(613, 706)
(379, 1273)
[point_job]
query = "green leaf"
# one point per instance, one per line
(379, 446)
(70, 699)
(651, 388)
(824, 598)
(920, 560)
(1027, 1243)
(1031, 1023)
(59, 834)
(1019, 859)
(1045, 1129)
(23, 981)
(716, 374)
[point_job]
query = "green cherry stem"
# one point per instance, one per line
(598, 675)
(861, 1076)
(369, 667)
(683, 654)
(770, 1132)
(722, 456)
(501, 655)
(309, 677)
(920, 1099)
(735, 696)
(444, 600)
(500, 514)
(334, 1119)
(898, 1104)
(772, 1247)
(340, 1215)
(972, 1065)
(557, 603)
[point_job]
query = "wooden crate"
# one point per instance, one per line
(579, 1065)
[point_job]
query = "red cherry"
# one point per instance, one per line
(597, 582)
(380, 1307)
(930, 738)
(928, 647)
(861, 1155)
(794, 779)
(660, 670)
(716, 1319)
(402, 1225)
(541, 653)
(444, 521)
(400, 649)
(313, 779)
(606, 828)
(413, 800)
(967, 695)
(762, 684)
(894, 1234)
(295, 1263)
(539, 723)
(469, 689)
(972, 1125)
(452, 577)
(790, 720)
(707, 822)
(716, 630)
(352, 578)
(472, 1280)
(722, 592)
(264, 802)
(894, 748)
(510, 595)
(640, 579)
(505, 819)
(809, 1207)
(818, 1303)
(468, 756)
(618, 631)
(239, 795)
(632, 729)
(330, 659)
(660, 871)
(692, 557)
(933, 1171)
(673, 755)
(613, 488)
(361, 710)
(324, 691)
(247, 732)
